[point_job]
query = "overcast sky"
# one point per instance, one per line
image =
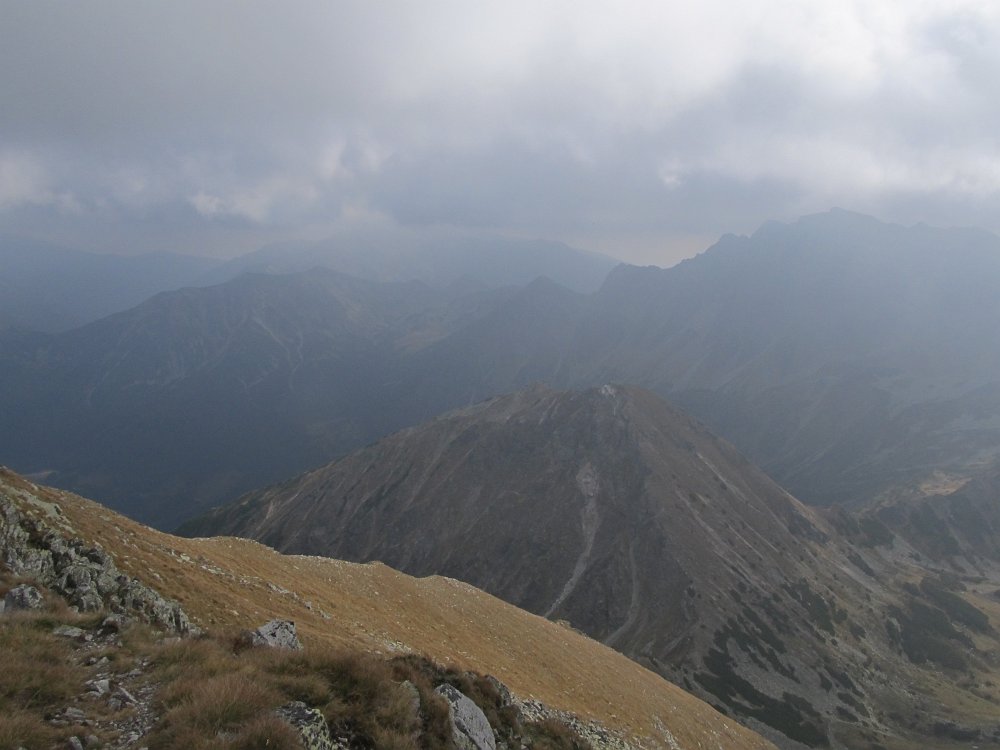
(644, 130)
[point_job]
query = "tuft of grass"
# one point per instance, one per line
(266, 732)
(549, 734)
(191, 657)
(213, 688)
(20, 728)
(365, 700)
(35, 667)
(216, 693)
(218, 704)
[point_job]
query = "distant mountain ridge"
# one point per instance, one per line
(434, 257)
(209, 391)
(612, 510)
(50, 289)
(845, 356)
(44, 287)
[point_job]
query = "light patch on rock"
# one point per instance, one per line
(470, 728)
(276, 634)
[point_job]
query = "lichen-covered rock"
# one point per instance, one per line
(310, 724)
(69, 631)
(470, 728)
(85, 576)
(23, 597)
(275, 634)
(506, 699)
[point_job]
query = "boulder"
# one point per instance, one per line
(275, 634)
(69, 631)
(23, 597)
(310, 724)
(470, 728)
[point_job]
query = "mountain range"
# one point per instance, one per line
(49, 288)
(847, 357)
(854, 361)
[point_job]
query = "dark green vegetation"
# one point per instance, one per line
(791, 715)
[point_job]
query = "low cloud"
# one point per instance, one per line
(654, 123)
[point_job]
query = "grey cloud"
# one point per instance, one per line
(128, 124)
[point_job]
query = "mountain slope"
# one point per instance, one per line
(226, 583)
(842, 354)
(200, 394)
(610, 509)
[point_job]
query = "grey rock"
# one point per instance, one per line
(309, 723)
(74, 714)
(470, 728)
(23, 597)
(68, 631)
(275, 634)
(74, 743)
(124, 696)
(506, 699)
(100, 687)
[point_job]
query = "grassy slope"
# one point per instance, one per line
(226, 582)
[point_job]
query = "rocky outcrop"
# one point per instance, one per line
(274, 634)
(21, 597)
(85, 576)
(310, 724)
(470, 728)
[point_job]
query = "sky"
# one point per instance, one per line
(643, 130)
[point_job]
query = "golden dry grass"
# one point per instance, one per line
(234, 583)
(37, 674)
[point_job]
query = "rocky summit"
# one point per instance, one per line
(613, 511)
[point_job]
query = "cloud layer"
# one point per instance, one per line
(643, 129)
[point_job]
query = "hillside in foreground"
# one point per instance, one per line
(224, 585)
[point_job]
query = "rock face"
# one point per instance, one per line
(21, 598)
(86, 576)
(275, 634)
(470, 728)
